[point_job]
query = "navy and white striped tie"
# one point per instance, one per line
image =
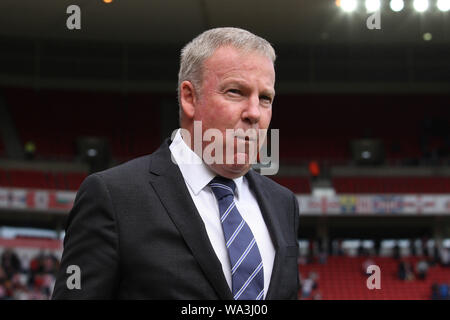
(246, 264)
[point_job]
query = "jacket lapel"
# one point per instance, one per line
(169, 185)
(269, 213)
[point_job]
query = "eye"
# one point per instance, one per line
(234, 91)
(265, 98)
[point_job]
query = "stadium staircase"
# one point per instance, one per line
(10, 144)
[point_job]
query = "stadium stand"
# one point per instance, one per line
(73, 180)
(41, 179)
(28, 268)
(327, 123)
(54, 120)
(342, 277)
(132, 127)
(295, 184)
(392, 185)
(335, 84)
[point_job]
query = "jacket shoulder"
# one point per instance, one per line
(271, 185)
(128, 169)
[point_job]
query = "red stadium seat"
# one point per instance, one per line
(4, 179)
(295, 184)
(34, 179)
(74, 180)
(28, 179)
(341, 278)
(55, 119)
(320, 127)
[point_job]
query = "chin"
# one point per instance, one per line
(231, 171)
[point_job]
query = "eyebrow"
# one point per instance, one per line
(270, 93)
(230, 81)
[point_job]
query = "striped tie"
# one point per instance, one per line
(246, 263)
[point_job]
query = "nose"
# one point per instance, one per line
(252, 113)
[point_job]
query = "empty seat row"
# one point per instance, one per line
(312, 126)
(35, 179)
(299, 185)
(54, 120)
(321, 126)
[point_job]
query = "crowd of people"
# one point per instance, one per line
(440, 291)
(419, 271)
(33, 280)
(309, 286)
(407, 269)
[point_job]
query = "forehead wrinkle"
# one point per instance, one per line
(236, 57)
(240, 65)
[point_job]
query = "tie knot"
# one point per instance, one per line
(222, 187)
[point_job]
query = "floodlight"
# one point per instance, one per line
(349, 5)
(397, 5)
(372, 5)
(443, 5)
(421, 5)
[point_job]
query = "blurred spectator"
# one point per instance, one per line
(412, 247)
(308, 285)
(404, 271)
(377, 246)
(322, 257)
(3, 279)
(435, 291)
(444, 257)
(443, 291)
(396, 251)
(361, 250)
(10, 263)
(366, 263)
(422, 269)
(435, 254)
(33, 282)
(300, 279)
(302, 260)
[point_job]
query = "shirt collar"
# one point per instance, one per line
(195, 172)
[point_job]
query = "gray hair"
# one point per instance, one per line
(204, 45)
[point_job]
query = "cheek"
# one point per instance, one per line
(217, 114)
(215, 117)
(266, 116)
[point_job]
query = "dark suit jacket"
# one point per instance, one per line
(135, 233)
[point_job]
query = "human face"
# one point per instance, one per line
(237, 93)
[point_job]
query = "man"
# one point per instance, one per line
(175, 225)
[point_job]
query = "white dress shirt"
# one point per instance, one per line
(197, 176)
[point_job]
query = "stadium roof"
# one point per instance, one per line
(177, 21)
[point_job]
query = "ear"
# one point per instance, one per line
(188, 99)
